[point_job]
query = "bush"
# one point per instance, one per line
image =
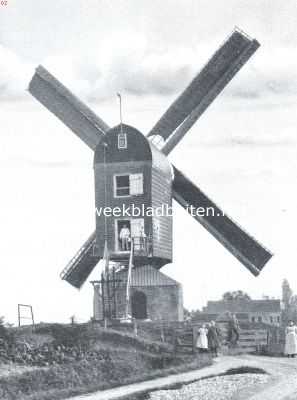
(66, 335)
(7, 336)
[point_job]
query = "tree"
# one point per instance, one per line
(287, 294)
(236, 295)
(6, 334)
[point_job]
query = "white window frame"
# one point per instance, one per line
(122, 137)
(115, 186)
(139, 174)
(133, 223)
(136, 184)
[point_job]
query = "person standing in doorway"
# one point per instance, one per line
(291, 340)
(125, 238)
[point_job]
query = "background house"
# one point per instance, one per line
(265, 311)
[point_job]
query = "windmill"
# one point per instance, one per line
(115, 152)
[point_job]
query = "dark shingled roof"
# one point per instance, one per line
(147, 276)
(139, 148)
(243, 306)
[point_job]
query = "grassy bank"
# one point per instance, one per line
(67, 361)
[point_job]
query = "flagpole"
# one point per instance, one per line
(129, 279)
(121, 115)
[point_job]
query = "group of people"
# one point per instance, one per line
(210, 338)
(291, 339)
(125, 238)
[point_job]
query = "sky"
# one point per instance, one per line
(242, 152)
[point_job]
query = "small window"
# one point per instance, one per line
(122, 185)
(278, 320)
(122, 141)
(253, 319)
(128, 185)
(259, 319)
(271, 319)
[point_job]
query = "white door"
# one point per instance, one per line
(137, 227)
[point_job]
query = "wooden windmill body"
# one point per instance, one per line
(131, 168)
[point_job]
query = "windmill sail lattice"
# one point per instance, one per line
(67, 107)
(208, 83)
(82, 264)
(244, 247)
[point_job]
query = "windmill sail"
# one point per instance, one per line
(82, 264)
(245, 248)
(209, 82)
(67, 107)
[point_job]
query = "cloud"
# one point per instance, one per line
(271, 72)
(132, 65)
(140, 70)
(127, 64)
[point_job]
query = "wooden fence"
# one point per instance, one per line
(250, 340)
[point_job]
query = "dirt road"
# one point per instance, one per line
(281, 385)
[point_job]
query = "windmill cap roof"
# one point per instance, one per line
(139, 148)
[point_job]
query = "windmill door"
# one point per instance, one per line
(139, 305)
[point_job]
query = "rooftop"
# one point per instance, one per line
(243, 306)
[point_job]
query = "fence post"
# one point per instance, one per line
(162, 333)
(135, 327)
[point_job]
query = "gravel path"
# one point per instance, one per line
(280, 384)
(217, 388)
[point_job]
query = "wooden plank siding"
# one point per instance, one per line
(139, 157)
(161, 195)
(109, 171)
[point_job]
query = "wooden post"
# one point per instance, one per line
(108, 295)
(27, 306)
(193, 340)
(175, 343)
(19, 315)
(114, 293)
(162, 332)
(32, 316)
(135, 327)
(103, 296)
